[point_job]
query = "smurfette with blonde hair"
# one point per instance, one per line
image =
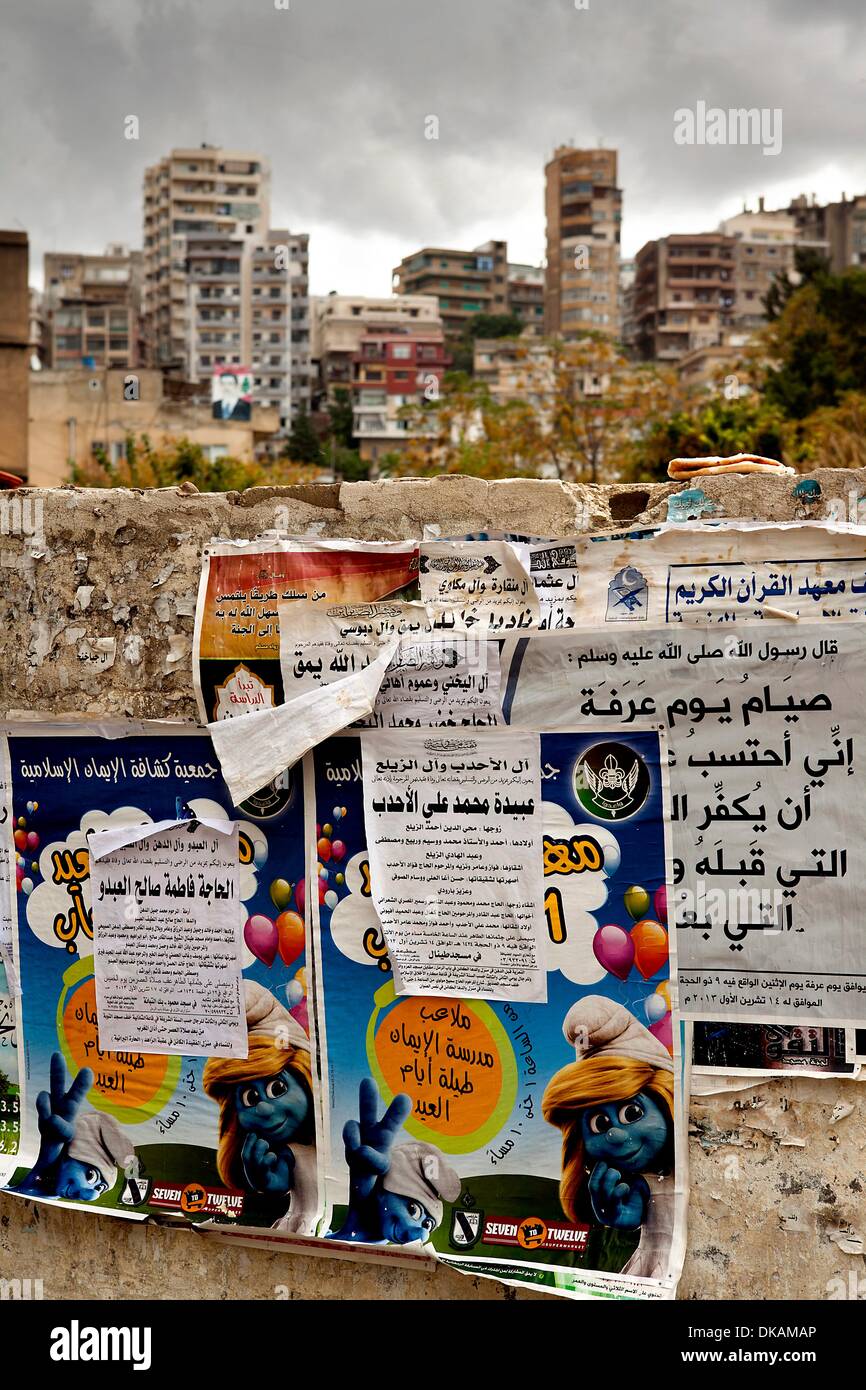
(614, 1105)
(267, 1119)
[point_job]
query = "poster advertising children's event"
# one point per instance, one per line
(160, 1135)
(534, 1142)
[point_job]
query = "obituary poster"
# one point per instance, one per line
(454, 1125)
(127, 1130)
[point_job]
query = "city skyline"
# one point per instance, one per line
(351, 162)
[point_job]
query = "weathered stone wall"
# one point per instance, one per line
(778, 1172)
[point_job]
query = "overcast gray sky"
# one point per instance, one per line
(335, 93)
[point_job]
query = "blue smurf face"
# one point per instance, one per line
(628, 1134)
(273, 1107)
(79, 1182)
(404, 1219)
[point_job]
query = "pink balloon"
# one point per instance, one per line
(614, 949)
(338, 849)
(301, 1013)
(260, 934)
(660, 904)
(301, 895)
(663, 1030)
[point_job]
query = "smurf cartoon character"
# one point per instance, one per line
(79, 1151)
(614, 1106)
(267, 1126)
(396, 1192)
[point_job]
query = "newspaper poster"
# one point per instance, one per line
(766, 744)
(535, 1143)
(229, 1141)
(236, 645)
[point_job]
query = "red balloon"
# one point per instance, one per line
(338, 849)
(614, 949)
(20, 838)
(650, 942)
(324, 849)
(301, 894)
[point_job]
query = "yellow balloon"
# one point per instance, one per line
(664, 990)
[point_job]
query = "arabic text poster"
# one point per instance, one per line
(167, 1135)
(489, 1131)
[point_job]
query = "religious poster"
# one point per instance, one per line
(538, 1143)
(229, 1140)
(767, 749)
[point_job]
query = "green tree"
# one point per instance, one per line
(814, 353)
(809, 264)
(342, 418)
(303, 444)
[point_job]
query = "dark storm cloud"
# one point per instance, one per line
(335, 93)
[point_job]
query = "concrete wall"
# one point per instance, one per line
(777, 1171)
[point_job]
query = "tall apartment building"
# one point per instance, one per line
(466, 283)
(340, 321)
(526, 296)
(14, 353)
(91, 309)
(222, 288)
(764, 245)
(391, 372)
(684, 294)
(583, 208)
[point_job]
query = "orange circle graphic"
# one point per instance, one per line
(128, 1079)
(443, 1055)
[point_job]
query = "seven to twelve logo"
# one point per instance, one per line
(611, 781)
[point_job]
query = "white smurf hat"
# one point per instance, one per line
(100, 1143)
(420, 1171)
(268, 1018)
(596, 1026)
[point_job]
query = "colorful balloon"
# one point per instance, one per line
(331, 899)
(637, 902)
(327, 831)
(663, 1030)
(614, 949)
(294, 993)
(656, 1008)
(338, 849)
(650, 942)
(290, 936)
(339, 878)
(27, 886)
(261, 937)
(660, 904)
(323, 849)
(301, 895)
(281, 894)
(20, 838)
(301, 977)
(337, 812)
(664, 990)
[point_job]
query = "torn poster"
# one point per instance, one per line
(255, 752)
(454, 836)
(172, 1137)
(431, 680)
(167, 943)
(553, 570)
(475, 1108)
(236, 656)
(768, 821)
(478, 585)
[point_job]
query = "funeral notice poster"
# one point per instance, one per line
(767, 751)
(167, 943)
(454, 833)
